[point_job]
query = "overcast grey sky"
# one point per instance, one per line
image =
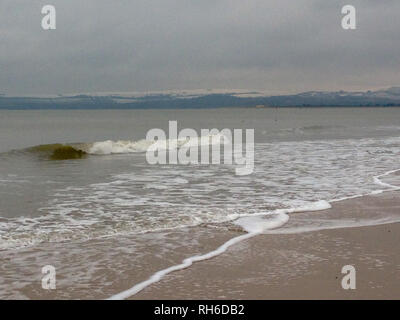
(280, 46)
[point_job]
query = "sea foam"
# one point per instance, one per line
(257, 224)
(131, 146)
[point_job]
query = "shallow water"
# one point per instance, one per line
(302, 156)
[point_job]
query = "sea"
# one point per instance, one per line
(106, 208)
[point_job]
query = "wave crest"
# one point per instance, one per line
(127, 146)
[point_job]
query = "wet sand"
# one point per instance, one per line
(299, 266)
(270, 266)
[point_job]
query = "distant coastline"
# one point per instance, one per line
(203, 100)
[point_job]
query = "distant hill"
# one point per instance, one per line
(204, 99)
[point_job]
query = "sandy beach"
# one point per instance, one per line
(303, 265)
(299, 266)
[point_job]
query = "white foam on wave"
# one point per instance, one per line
(121, 146)
(185, 264)
(252, 231)
(254, 225)
(259, 224)
(268, 222)
(377, 180)
(313, 206)
(128, 146)
(96, 210)
(328, 224)
(319, 225)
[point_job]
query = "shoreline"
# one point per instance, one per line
(316, 257)
(285, 263)
(257, 226)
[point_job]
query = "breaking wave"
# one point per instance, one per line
(67, 151)
(127, 146)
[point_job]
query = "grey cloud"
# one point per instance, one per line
(280, 46)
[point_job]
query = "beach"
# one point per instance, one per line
(323, 194)
(299, 266)
(303, 265)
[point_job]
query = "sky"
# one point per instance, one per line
(275, 46)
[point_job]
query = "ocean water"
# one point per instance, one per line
(305, 158)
